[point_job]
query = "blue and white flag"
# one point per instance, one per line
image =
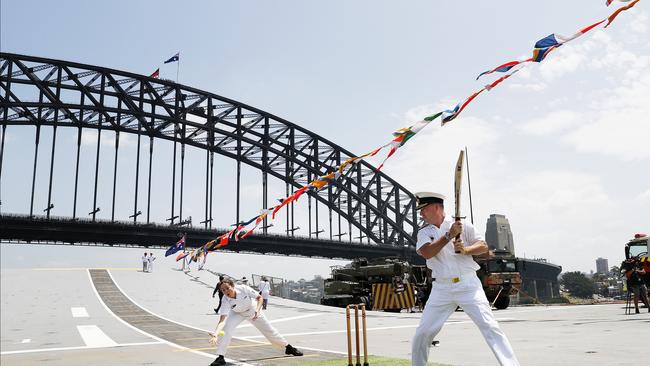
(174, 58)
(180, 245)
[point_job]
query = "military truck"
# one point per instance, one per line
(387, 284)
(638, 247)
(499, 276)
(637, 250)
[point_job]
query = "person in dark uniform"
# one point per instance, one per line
(217, 289)
(634, 273)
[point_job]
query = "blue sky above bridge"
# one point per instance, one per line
(561, 148)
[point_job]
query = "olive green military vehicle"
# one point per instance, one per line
(382, 284)
(500, 278)
(390, 284)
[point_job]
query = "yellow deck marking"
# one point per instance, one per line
(280, 358)
(192, 339)
(212, 348)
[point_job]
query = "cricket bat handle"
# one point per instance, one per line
(456, 238)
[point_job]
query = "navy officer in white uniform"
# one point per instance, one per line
(455, 281)
(242, 302)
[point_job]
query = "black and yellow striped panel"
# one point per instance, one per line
(384, 297)
(645, 259)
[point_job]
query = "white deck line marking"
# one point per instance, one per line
(95, 337)
(76, 348)
(204, 354)
(283, 319)
(203, 330)
(79, 312)
(26, 340)
(85, 269)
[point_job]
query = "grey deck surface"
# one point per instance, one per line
(255, 353)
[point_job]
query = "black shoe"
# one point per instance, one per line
(219, 361)
(435, 343)
(290, 350)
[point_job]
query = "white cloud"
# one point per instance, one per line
(552, 123)
(613, 121)
(620, 124)
(564, 60)
(536, 86)
(644, 196)
(548, 191)
(639, 23)
(623, 135)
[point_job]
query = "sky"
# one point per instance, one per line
(561, 148)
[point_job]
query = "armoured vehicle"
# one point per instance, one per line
(390, 284)
(382, 284)
(500, 278)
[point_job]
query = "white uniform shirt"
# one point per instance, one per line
(244, 303)
(448, 264)
(265, 289)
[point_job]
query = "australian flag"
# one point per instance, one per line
(180, 245)
(174, 58)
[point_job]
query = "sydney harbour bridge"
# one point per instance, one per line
(364, 213)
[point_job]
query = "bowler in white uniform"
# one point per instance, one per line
(145, 262)
(151, 259)
(241, 302)
(455, 281)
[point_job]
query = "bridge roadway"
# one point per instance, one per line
(67, 230)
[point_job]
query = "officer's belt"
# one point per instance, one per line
(454, 279)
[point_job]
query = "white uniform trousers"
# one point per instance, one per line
(444, 297)
(261, 323)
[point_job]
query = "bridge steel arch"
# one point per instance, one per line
(44, 92)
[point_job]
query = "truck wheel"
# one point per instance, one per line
(502, 302)
(366, 301)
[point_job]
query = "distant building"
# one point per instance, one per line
(602, 266)
(498, 234)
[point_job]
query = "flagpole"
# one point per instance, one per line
(178, 65)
